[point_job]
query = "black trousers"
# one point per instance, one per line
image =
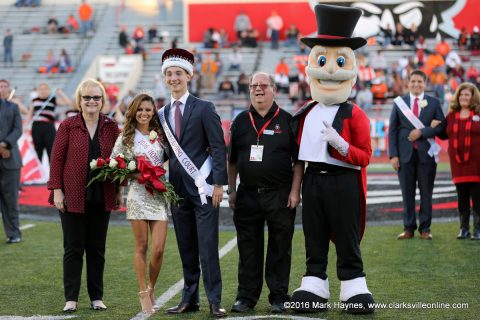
(84, 232)
(196, 229)
(332, 208)
(9, 185)
(252, 210)
(467, 191)
(408, 174)
(43, 135)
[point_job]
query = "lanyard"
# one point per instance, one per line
(259, 133)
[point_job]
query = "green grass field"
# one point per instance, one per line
(444, 270)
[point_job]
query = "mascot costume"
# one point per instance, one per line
(334, 139)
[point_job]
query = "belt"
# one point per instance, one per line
(260, 190)
(320, 168)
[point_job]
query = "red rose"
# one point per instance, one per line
(100, 162)
(107, 160)
(121, 162)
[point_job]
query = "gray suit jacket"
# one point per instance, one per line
(201, 135)
(10, 132)
(400, 127)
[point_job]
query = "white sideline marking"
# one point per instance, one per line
(270, 317)
(177, 287)
(25, 227)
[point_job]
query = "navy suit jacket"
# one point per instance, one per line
(400, 127)
(201, 135)
(10, 132)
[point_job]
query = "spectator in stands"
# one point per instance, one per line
(472, 73)
(398, 85)
(72, 24)
(10, 163)
(282, 68)
(223, 38)
(43, 117)
(27, 3)
(434, 60)
(411, 35)
(291, 36)
(243, 84)
(379, 89)
(366, 73)
(250, 38)
(8, 48)
(84, 211)
(364, 98)
(282, 72)
(129, 49)
(463, 38)
(208, 40)
(112, 91)
(235, 59)
(438, 79)
(85, 12)
(64, 62)
(174, 43)
(123, 40)
(208, 71)
(442, 48)
(452, 60)
(459, 73)
(399, 37)
(242, 24)
(387, 34)
(138, 36)
(379, 61)
(225, 88)
(52, 25)
(51, 61)
(152, 33)
(274, 24)
(475, 39)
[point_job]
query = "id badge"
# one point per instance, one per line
(256, 153)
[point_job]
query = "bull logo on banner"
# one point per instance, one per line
(430, 17)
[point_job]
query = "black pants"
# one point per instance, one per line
(409, 174)
(43, 135)
(252, 210)
(84, 232)
(332, 208)
(467, 191)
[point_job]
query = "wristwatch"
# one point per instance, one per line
(229, 191)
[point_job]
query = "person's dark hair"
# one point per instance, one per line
(418, 73)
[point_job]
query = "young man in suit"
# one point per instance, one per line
(10, 163)
(413, 152)
(197, 169)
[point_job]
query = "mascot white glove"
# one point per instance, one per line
(334, 139)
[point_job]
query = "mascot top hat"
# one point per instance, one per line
(335, 27)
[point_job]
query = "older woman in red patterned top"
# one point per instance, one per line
(84, 212)
(463, 132)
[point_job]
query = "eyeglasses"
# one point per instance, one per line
(262, 86)
(95, 98)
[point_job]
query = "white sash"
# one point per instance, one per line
(150, 152)
(199, 176)
(435, 148)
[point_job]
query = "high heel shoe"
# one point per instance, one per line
(146, 302)
(70, 306)
(152, 297)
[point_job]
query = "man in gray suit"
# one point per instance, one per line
(197, 170)
(413, 151)
(10, 163)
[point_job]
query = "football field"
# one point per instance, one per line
(412, 279)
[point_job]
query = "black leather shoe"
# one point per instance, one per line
(463, 234)
(183, 308)
(277, 307)
(216, 310)
(241, 306)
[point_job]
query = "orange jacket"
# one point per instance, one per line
(85, 12)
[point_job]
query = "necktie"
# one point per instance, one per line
(178, 118)
(415, 112)
(415, 107)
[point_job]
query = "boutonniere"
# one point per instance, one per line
(152, 136)
(423, 103)
(476, 118)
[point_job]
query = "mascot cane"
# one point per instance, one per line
(334, 139)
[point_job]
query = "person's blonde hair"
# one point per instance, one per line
(84, 85)
(474, 101)
(131, 121)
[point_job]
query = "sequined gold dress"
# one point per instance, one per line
(141, 205)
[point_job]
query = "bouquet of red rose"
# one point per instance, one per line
(118, 168)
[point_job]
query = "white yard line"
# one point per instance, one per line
(27, 226)
(177, 287)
